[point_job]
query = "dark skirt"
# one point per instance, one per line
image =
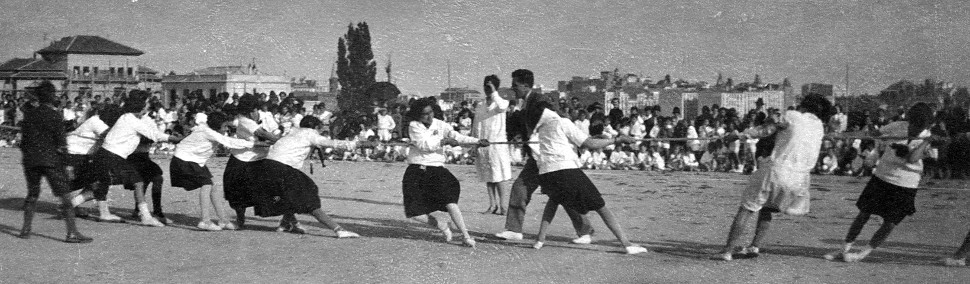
(892, 202)
(84, 173)
(239, 181)
(188, 175)
(145, 167)
(428, 189)
(283, 189)
(572, 189)
(109, 169)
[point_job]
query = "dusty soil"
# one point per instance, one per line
(681, 217)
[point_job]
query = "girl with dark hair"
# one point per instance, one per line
(188, 170)
(560, 175)
(81, 145)
(427, 185)
(891, 192)
(111, 165)
(239, 179)
(282, 189)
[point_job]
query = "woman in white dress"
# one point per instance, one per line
(494, 163)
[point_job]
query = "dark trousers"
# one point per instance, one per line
(56, 177)
(522, 189)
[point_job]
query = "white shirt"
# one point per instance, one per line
(894, 169)
(385, 122)
(325, 116)
(82, 140)
(426, 148)
(246, 129)
(123, 137)
(68, 114)
(293, 149)
(798, 142)
(839, 122)
(583, 125)
(268, 122)
(490, 119)
(558, 139)
(197, 147)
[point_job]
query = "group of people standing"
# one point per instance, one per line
(264, 169)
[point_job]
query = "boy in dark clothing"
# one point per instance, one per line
(43, 150)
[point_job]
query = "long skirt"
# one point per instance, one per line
(428, 189)
(188, 175)
(283, 189)
(240, 181)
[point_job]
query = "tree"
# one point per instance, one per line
(757, 80)
(720, 80)
(785, 83)
(667, 80)
(729, 83)
(356, 68)
(961, 96)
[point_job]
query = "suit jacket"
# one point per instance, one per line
(43, 137)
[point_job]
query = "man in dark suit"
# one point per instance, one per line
(43, 150)
(526, 183)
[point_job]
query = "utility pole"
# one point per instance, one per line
(449, 73)
(846, 80)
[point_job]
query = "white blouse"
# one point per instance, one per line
(82, 141)
(490, 119)
(198, 146)
(426, 148)
(123, 137)
(293, 148)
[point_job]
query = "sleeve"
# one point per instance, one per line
(787, 118)
(98, 126)
(461, 138)
(320, 141)
(499, 104)
(150, 131)
(573, 133)
(229, 142)
(422, 138)
(654, 131)
(390, 120)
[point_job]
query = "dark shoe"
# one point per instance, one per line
(77, 238)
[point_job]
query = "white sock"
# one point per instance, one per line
(846, 247)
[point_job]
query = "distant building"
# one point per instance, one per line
(235, 80)
(80, 65)
(461, 94)
(818, 88)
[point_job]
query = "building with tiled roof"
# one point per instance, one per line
(80, 65)
(211, 81)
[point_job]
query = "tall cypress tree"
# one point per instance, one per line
(356, 68)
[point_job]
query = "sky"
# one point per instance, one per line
(880, 42)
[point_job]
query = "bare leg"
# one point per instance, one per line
(456, 217)
(490, 188)
(204, 200)
(611, 223)
(216, 197)
(501, 188)
(434, 222)
(548, 213)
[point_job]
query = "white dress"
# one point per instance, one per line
(782, 183)
(494, 163)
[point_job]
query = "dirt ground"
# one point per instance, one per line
(681, 217)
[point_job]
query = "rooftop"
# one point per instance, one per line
(86, 44)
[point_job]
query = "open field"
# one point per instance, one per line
(681, 217)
